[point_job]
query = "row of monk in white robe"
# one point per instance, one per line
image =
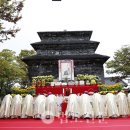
(28, 107)
(85, 106)
(98, 106)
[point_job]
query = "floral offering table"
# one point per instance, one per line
(66, 90)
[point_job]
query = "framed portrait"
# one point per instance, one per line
(66, 70)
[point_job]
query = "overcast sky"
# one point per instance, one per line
(108, 19)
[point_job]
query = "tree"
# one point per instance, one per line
(12, 69)
(121, 63)
(9, 70)
(10, 14)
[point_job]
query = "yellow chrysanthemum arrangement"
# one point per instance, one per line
(23, 91)
(103, 89)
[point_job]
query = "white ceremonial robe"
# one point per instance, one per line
(111, 109)
(27, 106)
(5, 106)
(72, 109)
(16, 106)
(128, 99)
(98, 105)
(122, 104)
(86, 109)
(59, 102)
(51, 106)
(39, 106)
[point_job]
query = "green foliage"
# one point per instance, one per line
(93, 79)
(121, 62)
(47, 78)
(117, 87)
(9, 66)
(23, 91)
(10, 14)
(11, 70)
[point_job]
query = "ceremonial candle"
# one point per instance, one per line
(63, 90)
(71, 90)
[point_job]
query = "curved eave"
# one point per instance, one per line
(64, 34)
(46, 42)
(95, 57)
(65, 45)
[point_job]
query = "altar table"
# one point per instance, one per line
(63, 89)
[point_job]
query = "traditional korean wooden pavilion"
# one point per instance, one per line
(62, 45)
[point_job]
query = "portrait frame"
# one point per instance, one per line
(66, 70)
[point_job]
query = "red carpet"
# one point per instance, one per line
(63, 124)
